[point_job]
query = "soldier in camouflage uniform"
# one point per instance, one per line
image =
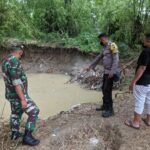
(110, 57)
(17, 94)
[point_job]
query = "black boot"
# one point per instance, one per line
(15, 135)
(108, 113)
(102, 108)
(28, 139)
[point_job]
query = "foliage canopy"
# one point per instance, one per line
(75, 22)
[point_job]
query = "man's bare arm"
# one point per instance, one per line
(139, 73)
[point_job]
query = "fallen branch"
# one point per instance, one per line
(128, 64)
(122, 93)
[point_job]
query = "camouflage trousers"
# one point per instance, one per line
(16, 114)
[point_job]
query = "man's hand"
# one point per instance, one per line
(111, 75)
(24, 104)
(132, 84)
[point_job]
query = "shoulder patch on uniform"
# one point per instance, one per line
(114, 48)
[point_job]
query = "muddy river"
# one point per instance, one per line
(51, 94)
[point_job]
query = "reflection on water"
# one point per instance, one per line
(52, 95)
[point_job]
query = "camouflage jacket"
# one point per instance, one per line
(110, 56)
(14, 75)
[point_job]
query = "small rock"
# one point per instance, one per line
(94, 141)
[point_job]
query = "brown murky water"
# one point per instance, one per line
(51, 94)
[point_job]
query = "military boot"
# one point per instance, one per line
(28, 139)
(108, 113)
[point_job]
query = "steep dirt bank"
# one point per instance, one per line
(52, 59)
(47, 59)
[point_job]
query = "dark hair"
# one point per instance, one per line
(102, 35)
(147, 35)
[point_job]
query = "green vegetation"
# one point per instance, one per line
(76, 22)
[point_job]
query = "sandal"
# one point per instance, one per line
(145, 121)
(129, 123)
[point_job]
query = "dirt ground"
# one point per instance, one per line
(80, 128)
(77, 128)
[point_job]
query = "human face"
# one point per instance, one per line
(103, 41)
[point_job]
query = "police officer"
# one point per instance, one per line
(17, 94)
(110, 57)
